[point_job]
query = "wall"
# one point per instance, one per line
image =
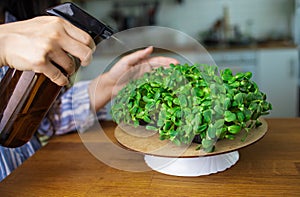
(262, 18)
(267, 16)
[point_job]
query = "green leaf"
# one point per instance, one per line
(136, 123)
(229, 116)
(162, 114)
(211, 131)
(202, 127)
(248, 75)
(182, 100)
(239, 97)
(219, 123)
(226, 74)
(176, 141)
(148, 100)
(229, 136)
(219, 132)
(227, 103)
(152, 128)
(150, 106)
(146, 119)
(247, 114)
(206, 103)
(207, 145)
(219, 110)
(207, 114)
(258, 123)
(253, 106)
(157, 95)
(160, 122)
(176, 101)
(234, 129)
(240, 116)
(167, 125)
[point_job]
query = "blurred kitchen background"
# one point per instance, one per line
(260, 36)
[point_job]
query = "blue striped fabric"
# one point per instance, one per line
(3, 70)
(69, 113)
(11, 158)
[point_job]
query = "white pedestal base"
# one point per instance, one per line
(194, 166)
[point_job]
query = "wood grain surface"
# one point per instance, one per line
(64, 167)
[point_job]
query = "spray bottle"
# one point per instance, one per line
(26, 97)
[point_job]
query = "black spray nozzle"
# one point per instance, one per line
(81, 19)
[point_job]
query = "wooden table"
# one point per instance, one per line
(64, 167)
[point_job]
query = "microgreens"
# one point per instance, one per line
(195, 103)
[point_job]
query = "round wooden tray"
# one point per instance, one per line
(141, 140)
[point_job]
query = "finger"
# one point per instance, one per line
(79, 35)
(77, 49)
(137, 56)
(53, 73)
(62, 59)
(162, 61)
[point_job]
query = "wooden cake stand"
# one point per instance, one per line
(165, 157)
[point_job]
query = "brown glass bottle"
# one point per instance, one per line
(26, 97)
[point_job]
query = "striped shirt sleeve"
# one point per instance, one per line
(3, 70)
(72, 111)
(11, 158)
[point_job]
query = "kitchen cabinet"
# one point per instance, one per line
(278, 76)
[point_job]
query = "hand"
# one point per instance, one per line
(134, 66)
(127, 68)
(36, 43)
